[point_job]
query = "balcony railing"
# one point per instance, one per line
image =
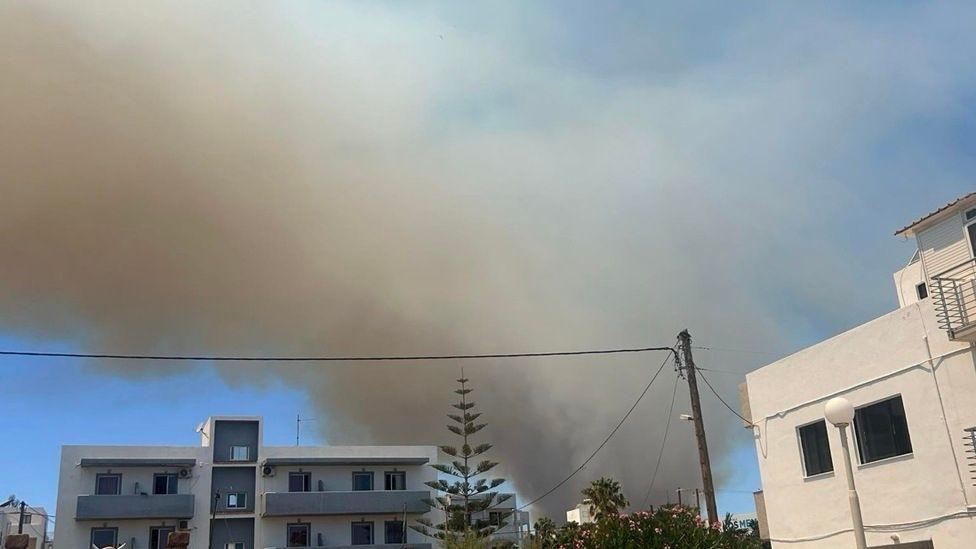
(105, 507)
(364, 502)
(954, 296)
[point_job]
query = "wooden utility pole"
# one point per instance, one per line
(706, 468)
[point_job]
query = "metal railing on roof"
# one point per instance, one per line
(954, 296)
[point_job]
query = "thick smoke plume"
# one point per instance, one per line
(369, 181)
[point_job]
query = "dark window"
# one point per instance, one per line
(922, 290)
(159, 535)
(395, 480)
(882, 430)
(299, 482)
(164, 483)
(298, 535)
(816, 448)
(362, 480)
(104, 537)
(971, 229)
(971, 214)
(27, 518)
(362, 533)
(108, 484)
(394, 532)
(497, 518)
(237, 500)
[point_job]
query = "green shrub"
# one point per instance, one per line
(670, 527)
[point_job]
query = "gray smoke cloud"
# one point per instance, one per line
(367, 179)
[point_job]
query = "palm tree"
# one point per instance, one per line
(604, 498)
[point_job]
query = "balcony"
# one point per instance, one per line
(172, 506)
(954, 296)
(364, 502)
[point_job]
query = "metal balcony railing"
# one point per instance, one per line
(954, 296)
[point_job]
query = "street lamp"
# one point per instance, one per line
(840, 412)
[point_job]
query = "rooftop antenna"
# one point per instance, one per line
(298, 427)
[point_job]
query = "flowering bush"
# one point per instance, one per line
(671, 527)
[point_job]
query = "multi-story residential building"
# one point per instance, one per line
(35, 524)
(911, 376)
(232, 492)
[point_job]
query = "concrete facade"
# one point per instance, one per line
(922, 495)
(135, 514)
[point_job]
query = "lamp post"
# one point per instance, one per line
(840, 413)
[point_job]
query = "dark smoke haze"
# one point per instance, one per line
(364, 180)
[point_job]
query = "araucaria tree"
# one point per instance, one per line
(469, 494)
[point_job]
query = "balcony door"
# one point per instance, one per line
(159, 535)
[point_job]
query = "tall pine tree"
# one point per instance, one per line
(469, 494)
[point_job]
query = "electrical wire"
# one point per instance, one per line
(722, 400)
(223, 358)
(606, 440)
(664, 442)
(727, 350)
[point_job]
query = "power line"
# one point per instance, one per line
(664, 443)
(224, 358)
(722, 400)
(606, 440)
(727, 350)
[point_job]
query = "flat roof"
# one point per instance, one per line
(354, 461)
(138, 462)
(932, 214)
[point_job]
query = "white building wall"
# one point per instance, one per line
(886, 357)
(269, 532)
(943, 245)
(75, 480)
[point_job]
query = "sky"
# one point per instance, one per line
(388, 178)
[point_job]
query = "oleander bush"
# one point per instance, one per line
(670, 527)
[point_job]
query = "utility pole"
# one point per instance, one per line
(706, 467)
(20, 525)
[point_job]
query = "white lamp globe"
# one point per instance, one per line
(839, 411)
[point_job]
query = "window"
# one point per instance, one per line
(104, 537)
(164, 483)
(971, 214)
(362, 533)
(497, 518)
(27, 518)
(362, 480)
(396, 480)
(921, 290)
(239, 453)
(815, 448)
(394, 532)
(159, 535)
(234, 545)
(108, 484)
(882, 430)
(299, 482)
(298, 535)
(237, 500)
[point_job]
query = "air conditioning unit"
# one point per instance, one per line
(185, 473)
(267, 471)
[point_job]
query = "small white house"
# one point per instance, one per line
(35, 524)
(911, 375)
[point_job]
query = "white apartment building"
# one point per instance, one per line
(35, 524)
(232, 492)
(911, 376)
